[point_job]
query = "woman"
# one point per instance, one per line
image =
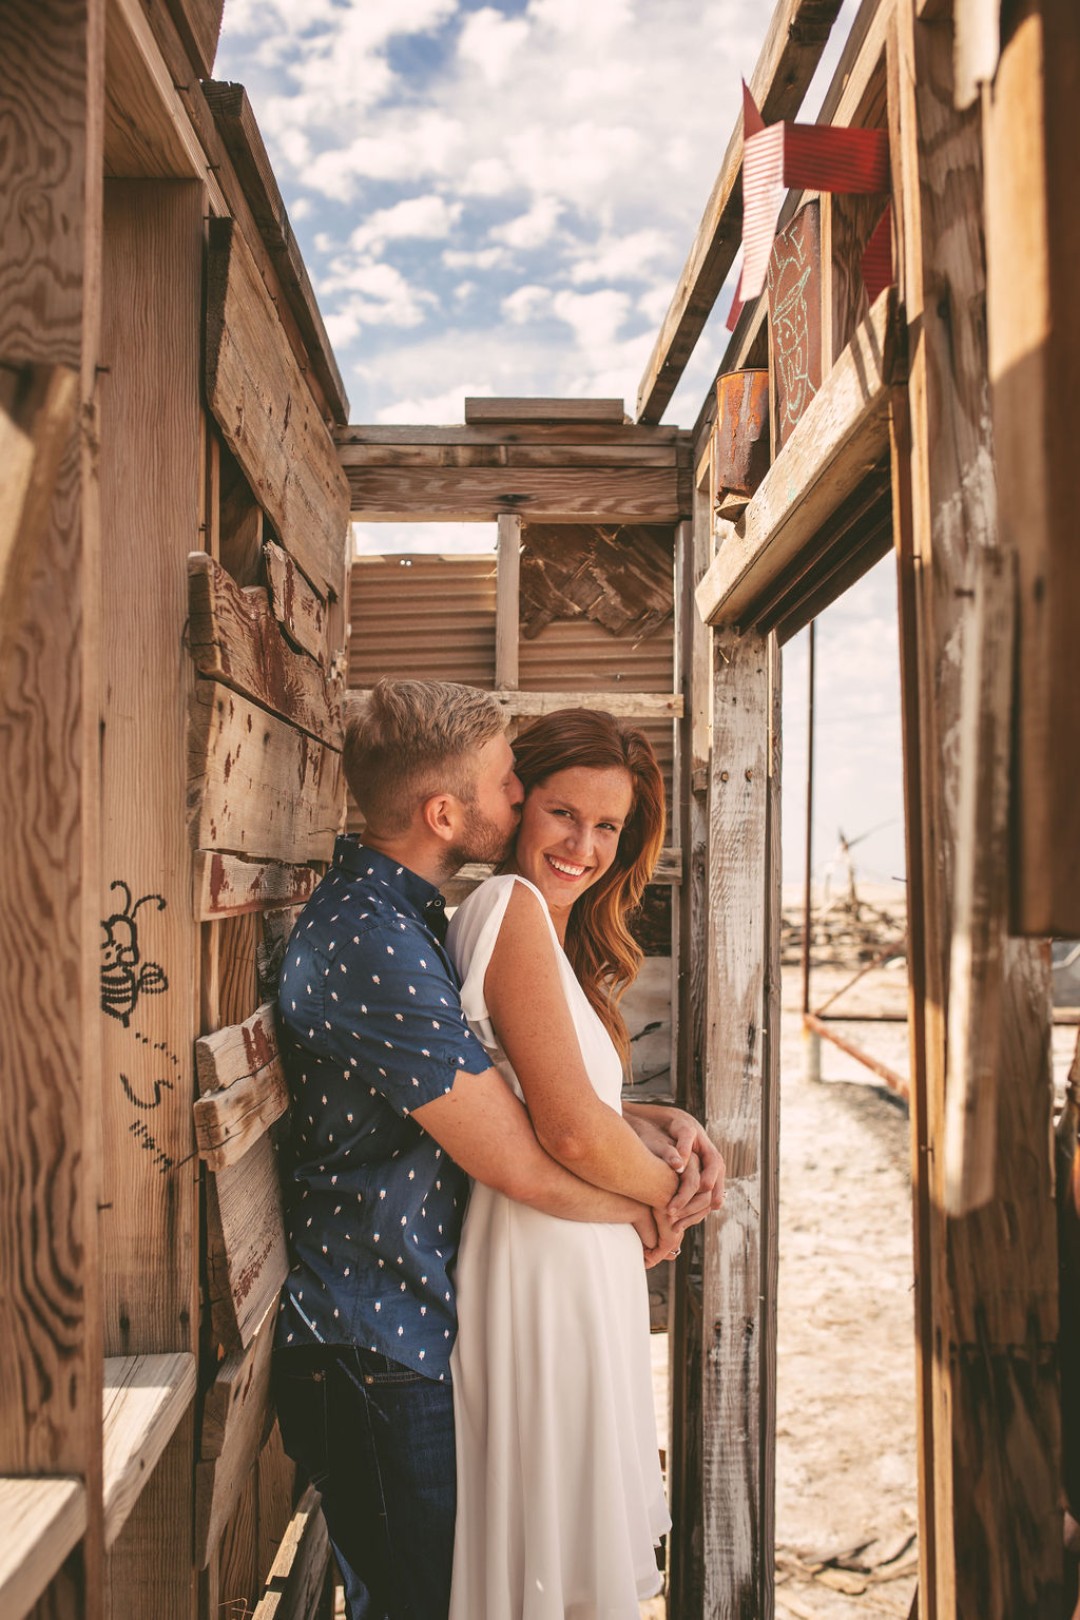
(560, 1499)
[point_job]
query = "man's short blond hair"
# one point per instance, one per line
(408, 740)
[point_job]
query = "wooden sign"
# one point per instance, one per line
(794, 281)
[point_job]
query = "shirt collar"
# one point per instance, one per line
(358, 861)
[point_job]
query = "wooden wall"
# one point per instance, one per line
(172, 627)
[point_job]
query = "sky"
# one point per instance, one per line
(498, 198)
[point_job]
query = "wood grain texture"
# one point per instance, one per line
(37, 416)
(299, 610)
(246, 1235)
(227, 885)
(533, 443)
(257, 786)
(277, 1492)
(243, 1088)
(1032, 246)
(507, 602)
(234, 637)
(630, 705)
(299, 1569)
(736, 1321)
(147, 946)
(843, 432)
(145, 1399)
(149, 1569)
(798, 33)
(239, 131)
(199, 24)
(267, 413)
(236, 1414)
(51, 68)
(539, 494)
(43, 1519)
(148, 134)
(481, 410)
(986, 1283)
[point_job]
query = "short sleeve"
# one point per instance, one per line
(395, 1018)
(474, 929)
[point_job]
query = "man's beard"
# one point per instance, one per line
(481, 841)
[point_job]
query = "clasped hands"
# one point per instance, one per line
(685, 1145)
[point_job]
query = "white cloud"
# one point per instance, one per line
(592, 24)
(594, 318)
(380, 296)
(527, 304)
(429, 217)
(492, 258)
(490, 42)
(627, 258)
(533, 229)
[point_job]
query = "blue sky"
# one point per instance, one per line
(498, 198)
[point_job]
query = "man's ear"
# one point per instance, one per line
(440, 815)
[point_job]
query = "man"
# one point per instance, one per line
(395, 1104)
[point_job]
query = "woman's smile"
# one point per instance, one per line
(569, 833)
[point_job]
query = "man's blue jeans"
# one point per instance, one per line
(377, 1440)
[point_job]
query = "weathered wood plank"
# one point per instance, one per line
(1033, 246)
(148, 134)
(236, 1414)
(987, 1284)
(227, 885)
(981, 899)
(539, 494)
(735, 1318)
(485, 451)
(248, 1261)
(199, 25)
(37, 413)
(628, 705)
(256, 786)
(528, 439)
(298, 609)
(233, 636)
(243, 1087)
(481, 410)
(842, 434)
(267, 414)
(798, 33)
(145, 1398)
(150, 405)
(507, 602)
(236, 124)
(299, 1569)
(43, 1519)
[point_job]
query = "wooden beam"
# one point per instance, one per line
(145, 1398)
(199, 24)
(243, 142)
(538, 494)
(544, 410)
(454, 449)
(234, 637)
(507, 602)
(736, 1312)
(526, 438)
(268, 416)
(986, 1284)
(37, 412)
(798, 33)
(842, 434)
(1032, 133)
(43, 1519)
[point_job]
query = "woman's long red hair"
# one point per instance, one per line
(602, 951)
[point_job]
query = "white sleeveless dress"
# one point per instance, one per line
(560, 1498)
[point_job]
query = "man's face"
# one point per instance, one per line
(491, 819)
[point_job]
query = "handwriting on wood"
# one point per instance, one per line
(794, 281)
(236, 1414)
(234, 637)
(267, 414)
(298, 609)
(257, 786)
(246, 1250)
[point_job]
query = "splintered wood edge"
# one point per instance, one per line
(145, 1398)
(43, 1519)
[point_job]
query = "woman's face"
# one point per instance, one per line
(569, 831)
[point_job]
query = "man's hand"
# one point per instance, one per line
(668, 1240)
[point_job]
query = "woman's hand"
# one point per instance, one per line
(668, 1240)
(676, 1137)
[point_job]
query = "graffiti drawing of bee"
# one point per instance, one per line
(124, 977)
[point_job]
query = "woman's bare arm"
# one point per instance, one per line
(535, 1027)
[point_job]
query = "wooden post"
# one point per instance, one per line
(990, 1544)
(507, 589)
(52, 67)
(149, 1011)
(738, 1305)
